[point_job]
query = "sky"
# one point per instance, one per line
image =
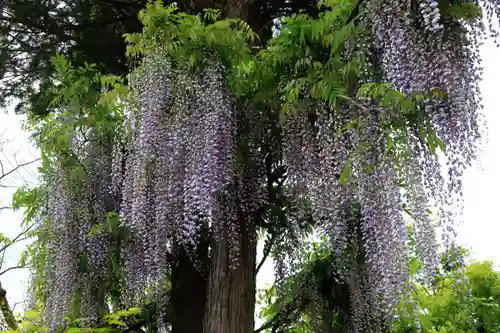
(480, 230)
(481, 227)
(15, 149)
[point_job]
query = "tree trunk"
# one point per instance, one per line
(8, 316)
(189, 290)
(230, 303)
(223, 302)
(248, 11)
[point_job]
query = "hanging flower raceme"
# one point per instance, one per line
(332, 191)
(70, 265)
(425, 52)
(180, 168)
(78, 249)
(443, 59)
(60, 263)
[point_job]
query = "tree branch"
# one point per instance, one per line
(10, 269)
(267, 325)
(276, 322)
(16, 304)
(282, 317)
(17, 167)
(18, 237)
(267, 251)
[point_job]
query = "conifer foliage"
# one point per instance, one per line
(346, 109)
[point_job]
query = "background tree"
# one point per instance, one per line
(462, 298)
(91, 31)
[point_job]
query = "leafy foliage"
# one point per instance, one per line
(461, 298)
(32, 32)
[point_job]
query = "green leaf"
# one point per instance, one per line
(463, 10)
(346, 172)
(76, 330)
(117, 322)
(415, 266)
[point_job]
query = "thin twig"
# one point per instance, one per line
(16, 304)
(10, 269)
(17, 238)
(18, 167)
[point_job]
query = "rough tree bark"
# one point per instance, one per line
(223, 301)
(189, 290)
(248, 11)
(230, 303)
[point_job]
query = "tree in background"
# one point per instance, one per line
(461, 299)
(155, 189)
(91, 31)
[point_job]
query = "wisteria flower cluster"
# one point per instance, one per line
(413, 58)
(182, 175)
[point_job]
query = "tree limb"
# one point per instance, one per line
(275, 322)
(18, 237)
(267, 251)
(281, 317)
(10, 269)
(17, 167)
(266, 325)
